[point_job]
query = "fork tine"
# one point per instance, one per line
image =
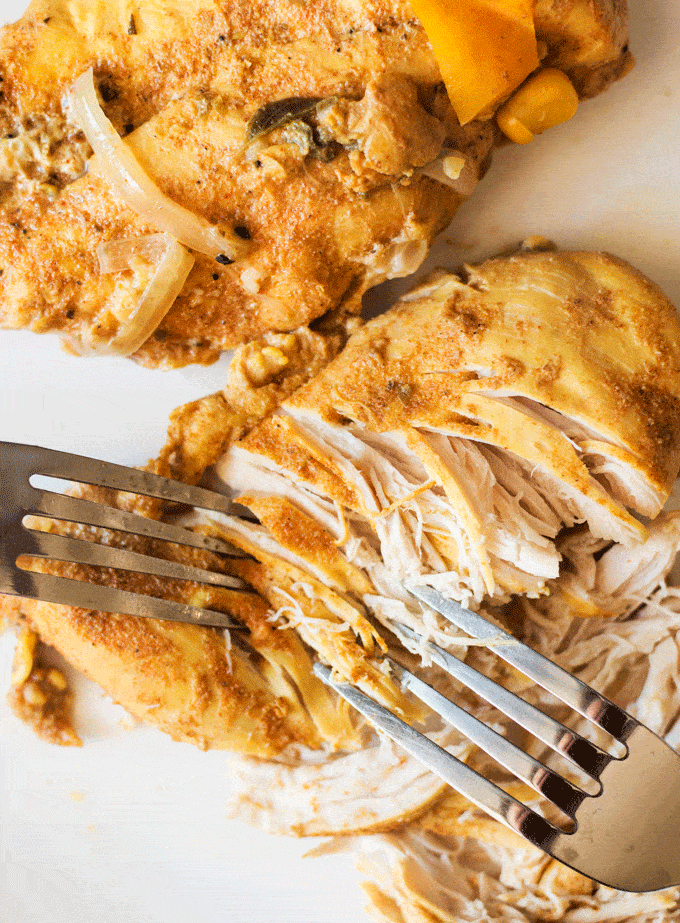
(551, 785)
(462, 778)
(597, 708)
(584, 754)
(81, 469)
(66, 548)
(62, 590)
(75, 509)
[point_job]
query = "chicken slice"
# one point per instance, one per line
(584, 335)
(417, 877)
(258, 697)
(445, 438)
(451, 457)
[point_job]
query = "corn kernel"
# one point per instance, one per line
(49, 190)
(262, 366)
(545, 100)
(453, 165)
(57, 679)
(536, 242)
(275, 357)
(33, 694)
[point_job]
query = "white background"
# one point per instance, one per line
(132, 826)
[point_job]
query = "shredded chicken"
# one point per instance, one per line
(450, 861)
(445, 444)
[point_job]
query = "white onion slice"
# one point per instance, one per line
(466, 180)
(116, 255)
(174, 263)
(119, 167)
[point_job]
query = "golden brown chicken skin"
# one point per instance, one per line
(329, 203)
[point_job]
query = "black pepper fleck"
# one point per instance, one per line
(258, 164)
(222, 38)
(224, 260)
(242, 232)
(108, 92)
(71, 313)
(216, 276)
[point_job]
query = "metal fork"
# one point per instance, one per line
(625, 831)
(18, 499)
(626, 820)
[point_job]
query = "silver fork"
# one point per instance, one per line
(625, 831)
(18, 499)
(626, 820)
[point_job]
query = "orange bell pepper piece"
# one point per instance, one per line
(484, 48)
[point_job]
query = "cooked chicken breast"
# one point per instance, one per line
(452, 441)
(495, 428)
(465, 428)
(320, 200)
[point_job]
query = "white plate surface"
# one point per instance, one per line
(132, 826)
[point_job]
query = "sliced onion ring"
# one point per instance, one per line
(174, 263)
(118, 166)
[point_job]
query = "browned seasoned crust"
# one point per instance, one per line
(583, 333)
(261, 375)
(260, 699)
(39, 693)
(180, 81)
(153, 53)
(587, 40)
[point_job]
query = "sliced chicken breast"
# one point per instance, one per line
(450, 442)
